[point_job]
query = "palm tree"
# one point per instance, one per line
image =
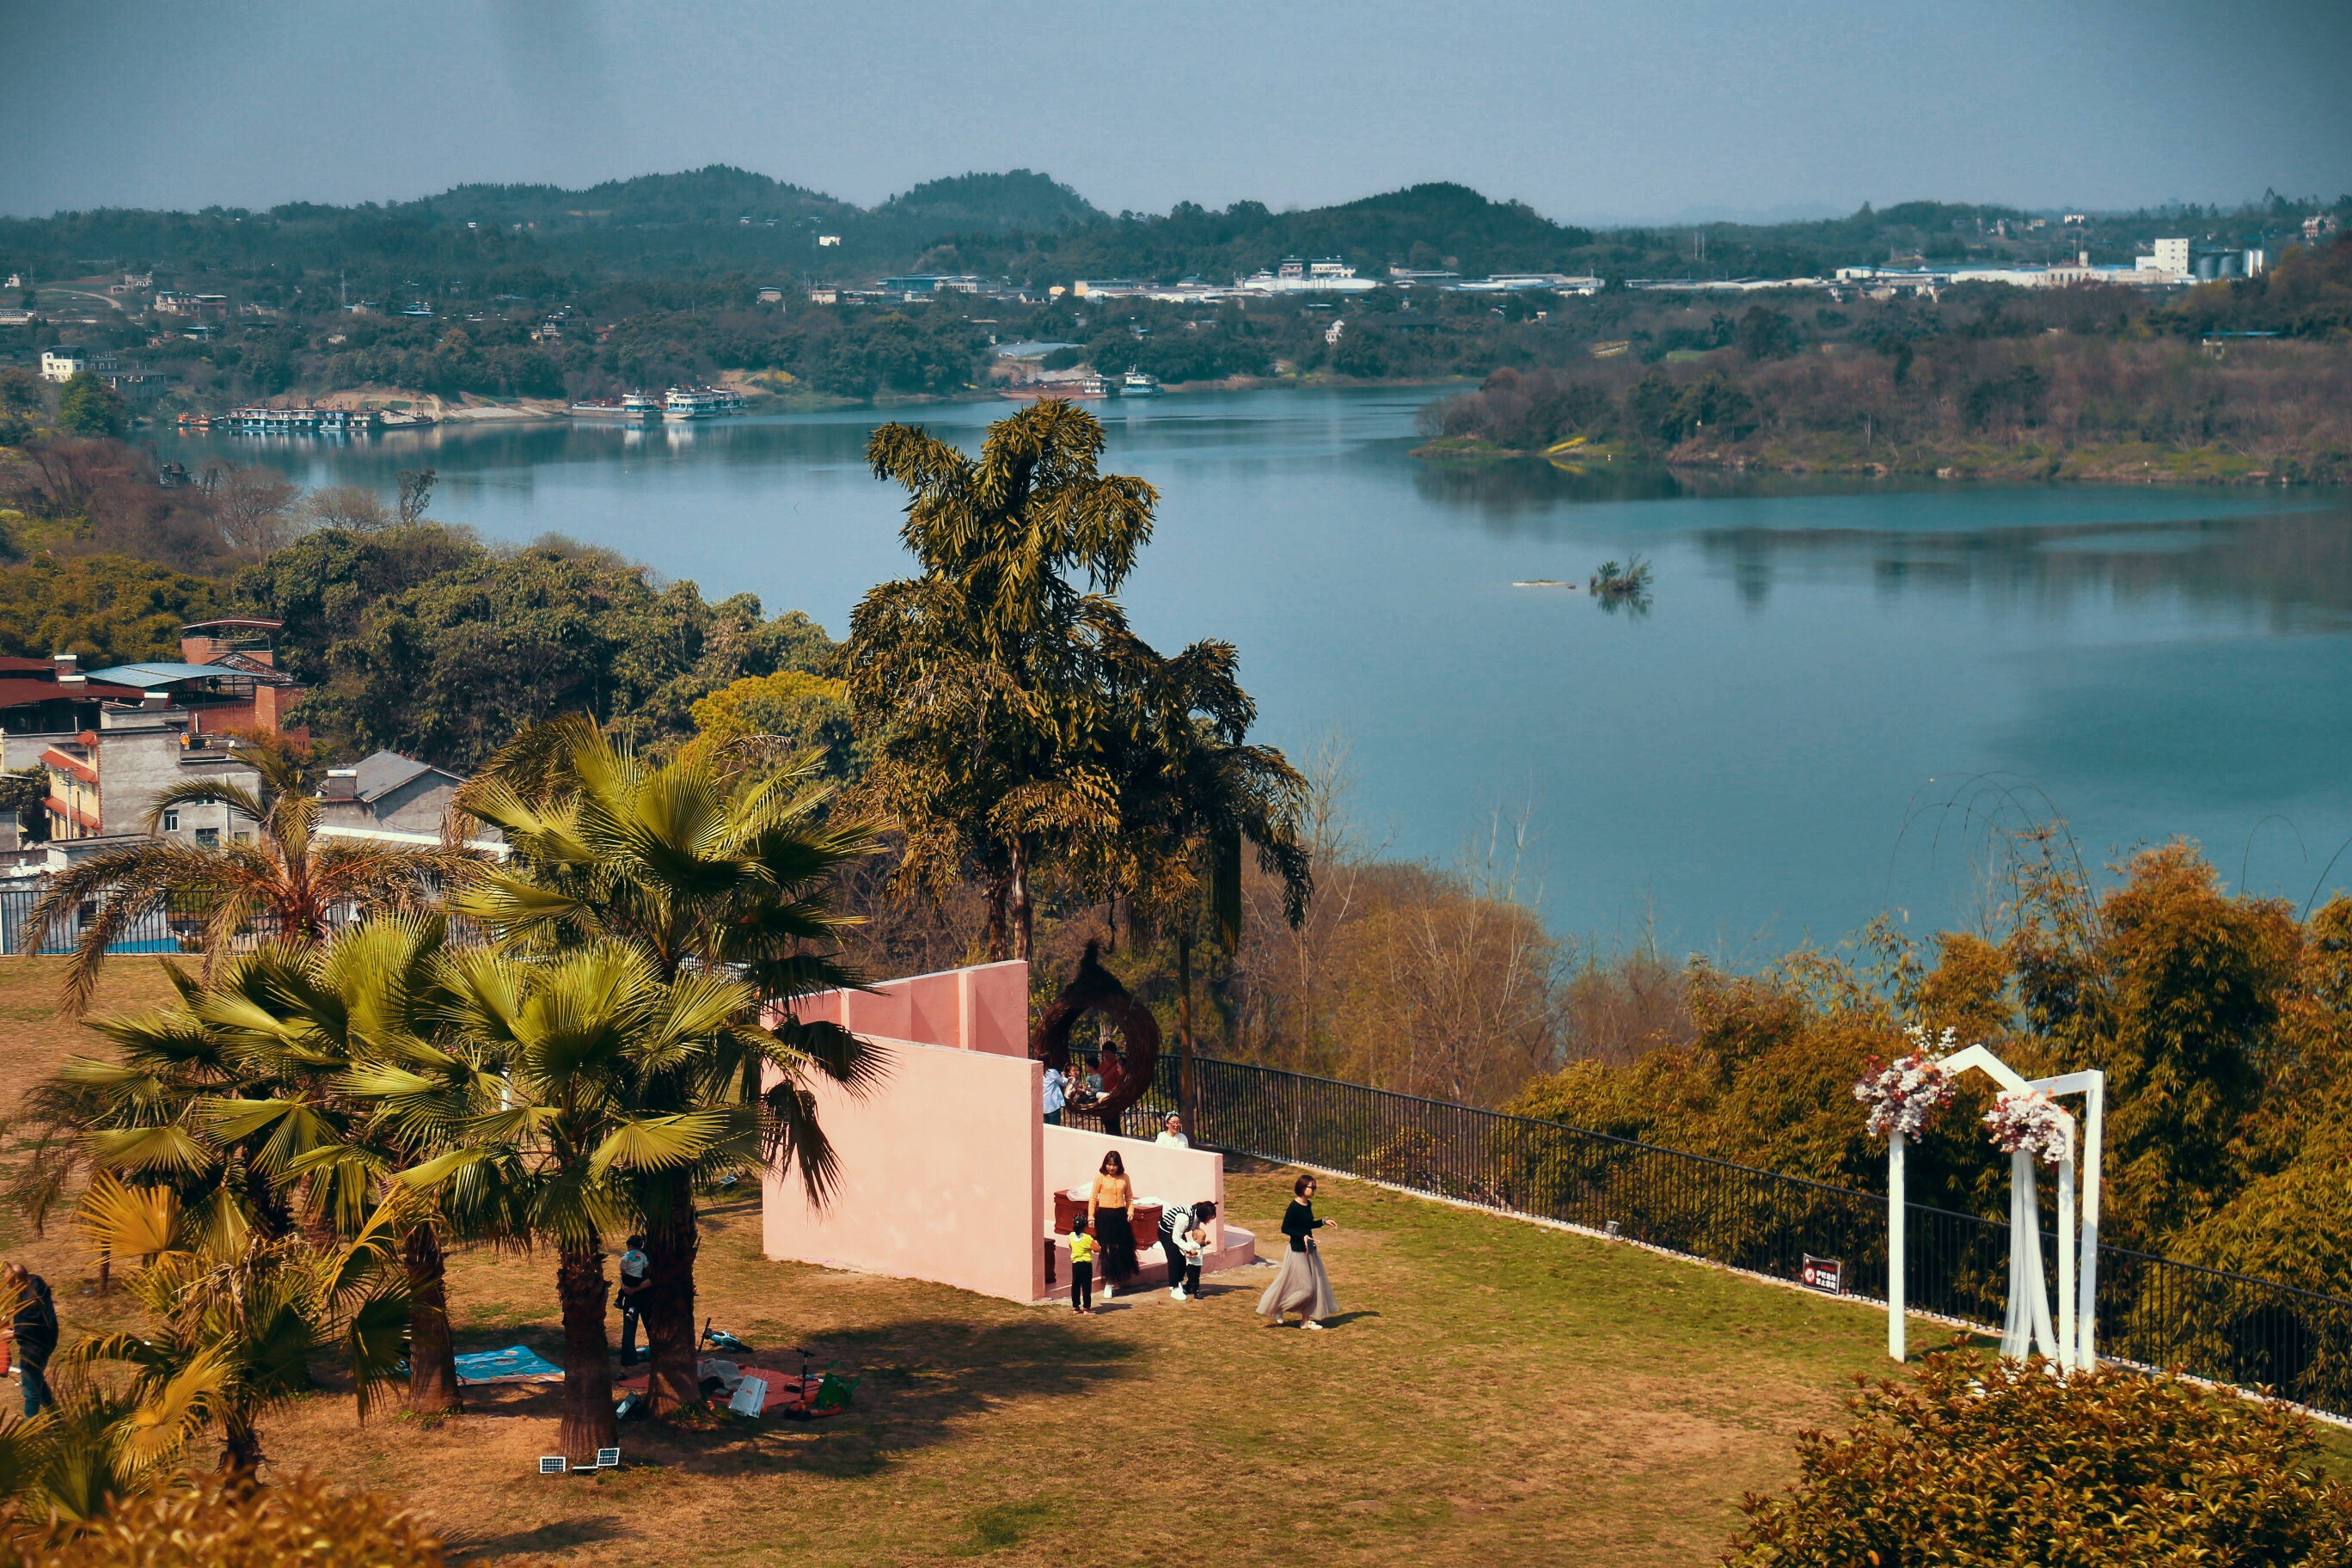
(236, 1315)
(590, 1045)
(241, 1096)
(288, 881)
(1192, 793)
(701, 860)
(980, 681)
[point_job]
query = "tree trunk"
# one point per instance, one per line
(666, 1303)
(587, 1357)
(241, 1455)
(1017, 898)
(432, 1353)
(1184, 1020)
(994, 939)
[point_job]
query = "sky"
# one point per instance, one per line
(1624, 110)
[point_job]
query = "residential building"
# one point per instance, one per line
(1324, 274)
(106, 781)
(42, 700)
(771, 296)
(202, 307)
(227, 677)
(825, 296)
(65, 363)
(388, 791)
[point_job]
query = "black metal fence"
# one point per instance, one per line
(2152, 1311)
(150, 932)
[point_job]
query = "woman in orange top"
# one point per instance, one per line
(1107, 1214)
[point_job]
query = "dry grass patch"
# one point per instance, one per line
(1494, 1392)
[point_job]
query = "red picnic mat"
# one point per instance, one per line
(783, 1387)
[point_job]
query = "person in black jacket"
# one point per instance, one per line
(1302, 1287)
(34, 1331)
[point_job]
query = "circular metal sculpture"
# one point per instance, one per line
(1093, 989)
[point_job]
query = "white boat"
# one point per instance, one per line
(636, 406)
(696, 403)
(1140, 384)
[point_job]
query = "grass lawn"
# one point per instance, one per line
(1493, 1392)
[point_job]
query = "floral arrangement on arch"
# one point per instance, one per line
(1905, 1094)
(2029, 1119)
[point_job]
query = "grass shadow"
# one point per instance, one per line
(586, 1530)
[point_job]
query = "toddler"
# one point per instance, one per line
(1081, 1266)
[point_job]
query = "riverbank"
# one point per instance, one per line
(2117, 463)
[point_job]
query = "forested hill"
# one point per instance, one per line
(542, 242)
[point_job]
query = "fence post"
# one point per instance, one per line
(1894, 1248)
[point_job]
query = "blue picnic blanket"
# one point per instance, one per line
(516, 1363)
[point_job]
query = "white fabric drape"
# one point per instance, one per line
(2028, 1327)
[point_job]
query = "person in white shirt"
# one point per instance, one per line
(1056, 1096)
(1172, 1132)
(1183, 1238)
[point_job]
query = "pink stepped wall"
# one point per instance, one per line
(946, 1167)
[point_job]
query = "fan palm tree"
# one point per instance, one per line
(236, 1315)
(596, 1053)
(288, 881)
(240, 1095)
(979, 683)
(705, 860)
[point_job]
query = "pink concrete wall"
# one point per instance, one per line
(984, 1008)
(939, 1176)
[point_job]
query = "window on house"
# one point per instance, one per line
(207, 837)
(170, 822)
(242, 836)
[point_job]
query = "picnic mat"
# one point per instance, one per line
(783, 1387)
(516, 1363)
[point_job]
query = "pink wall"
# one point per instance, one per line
(938, 1177)
(983, 1008)
(1178, 1176)
(945, 1164)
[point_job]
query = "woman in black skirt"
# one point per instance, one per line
(1109, 1212)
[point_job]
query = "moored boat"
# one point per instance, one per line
(634, 405)
(1139, 383)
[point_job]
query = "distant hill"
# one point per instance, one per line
(698, 230)
(1018, 199)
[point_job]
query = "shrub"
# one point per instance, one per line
(1980, 1461)
(301, 1523)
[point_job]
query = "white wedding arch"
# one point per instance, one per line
(2073, 1344)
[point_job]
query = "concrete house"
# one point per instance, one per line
(388, 792)
(104, 782)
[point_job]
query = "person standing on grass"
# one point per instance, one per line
(35, 1332)
(1109, 1206)
(633, 1266)
(1181, 1232)
(1302, 1287)
(1081, 1266)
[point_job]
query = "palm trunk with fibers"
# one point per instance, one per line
(666, 1306)
(581, 1287)
(241, 1455)
(432, 1352)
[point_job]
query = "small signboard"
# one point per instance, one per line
(1826, 1275)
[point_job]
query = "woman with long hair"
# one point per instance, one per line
(1109, 1207)
(1302, 1287)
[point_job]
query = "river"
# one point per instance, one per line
(1838, 695)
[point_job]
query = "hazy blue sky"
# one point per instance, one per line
(1629, 108)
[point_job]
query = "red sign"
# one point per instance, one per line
(1826, 1275)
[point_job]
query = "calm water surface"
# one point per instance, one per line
(1835, 691)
